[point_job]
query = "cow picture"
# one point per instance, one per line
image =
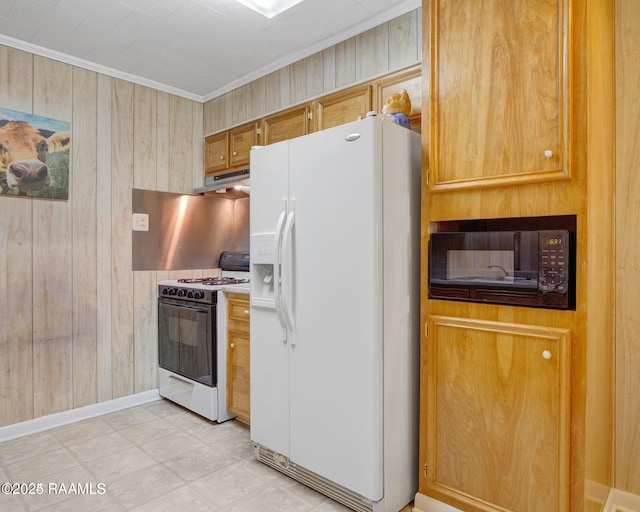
(34, 155)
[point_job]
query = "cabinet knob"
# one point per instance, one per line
(235, 153)
(246, 311)
(546, 354)
(221, 157)
(232, 345)
(548, 153)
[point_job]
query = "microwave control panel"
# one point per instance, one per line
(553, 266)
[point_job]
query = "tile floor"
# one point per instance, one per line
(152, 458)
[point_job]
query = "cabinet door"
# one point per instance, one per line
(409, 80)
(343, 107)
(238, 310)
(216, 153)
(286, 125)
(498, 93)
(238, 356)
(238, 382)
(498, 415)
(241, 140)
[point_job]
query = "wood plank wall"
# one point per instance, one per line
(79, 327)
(389, 47)
(627, 262)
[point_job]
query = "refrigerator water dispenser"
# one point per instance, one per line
(262, 269)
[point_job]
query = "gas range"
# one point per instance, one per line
(202, 290)
(192, 330)
(234, 270)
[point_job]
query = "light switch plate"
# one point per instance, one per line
(141, 222)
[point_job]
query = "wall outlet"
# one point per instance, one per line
(141, 222)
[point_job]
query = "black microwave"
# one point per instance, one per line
(526, 268)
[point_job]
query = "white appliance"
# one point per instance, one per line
(334, 248)
(192, 333)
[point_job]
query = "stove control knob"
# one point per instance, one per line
(172, 291)
(198, 294)
(181, 292)
(190, 294)
(165, 291)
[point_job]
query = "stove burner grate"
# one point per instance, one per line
(214, 281)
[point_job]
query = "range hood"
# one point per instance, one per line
(234, 184)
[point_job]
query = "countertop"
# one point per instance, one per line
(237, 288)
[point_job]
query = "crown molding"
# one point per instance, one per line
(98, 68)
(398, 10)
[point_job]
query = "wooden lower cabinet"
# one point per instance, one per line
(238, 401)
(498, 415)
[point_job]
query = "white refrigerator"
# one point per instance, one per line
(334, 252)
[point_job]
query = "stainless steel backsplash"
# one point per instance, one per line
(187, 231)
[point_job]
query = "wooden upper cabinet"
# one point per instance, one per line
(288, 124)
(409, 80)
(229, 150)
(241, 140)
(498, 415)
(342, 107)
(498, 108)
(216, 153)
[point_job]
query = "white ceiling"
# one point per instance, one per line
(193, 48)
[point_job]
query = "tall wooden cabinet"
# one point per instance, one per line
(517, 123)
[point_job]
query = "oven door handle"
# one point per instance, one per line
(184, 381)
(184, 306)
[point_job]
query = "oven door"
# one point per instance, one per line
(186, 340)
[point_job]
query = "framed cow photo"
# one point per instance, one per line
(34, 156)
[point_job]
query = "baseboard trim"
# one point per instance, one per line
(617, 501)
(60, 419)
(424, 503)
(620, 501)
(595, 496)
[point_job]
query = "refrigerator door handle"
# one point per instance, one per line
(287, 269)
(277, 289)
